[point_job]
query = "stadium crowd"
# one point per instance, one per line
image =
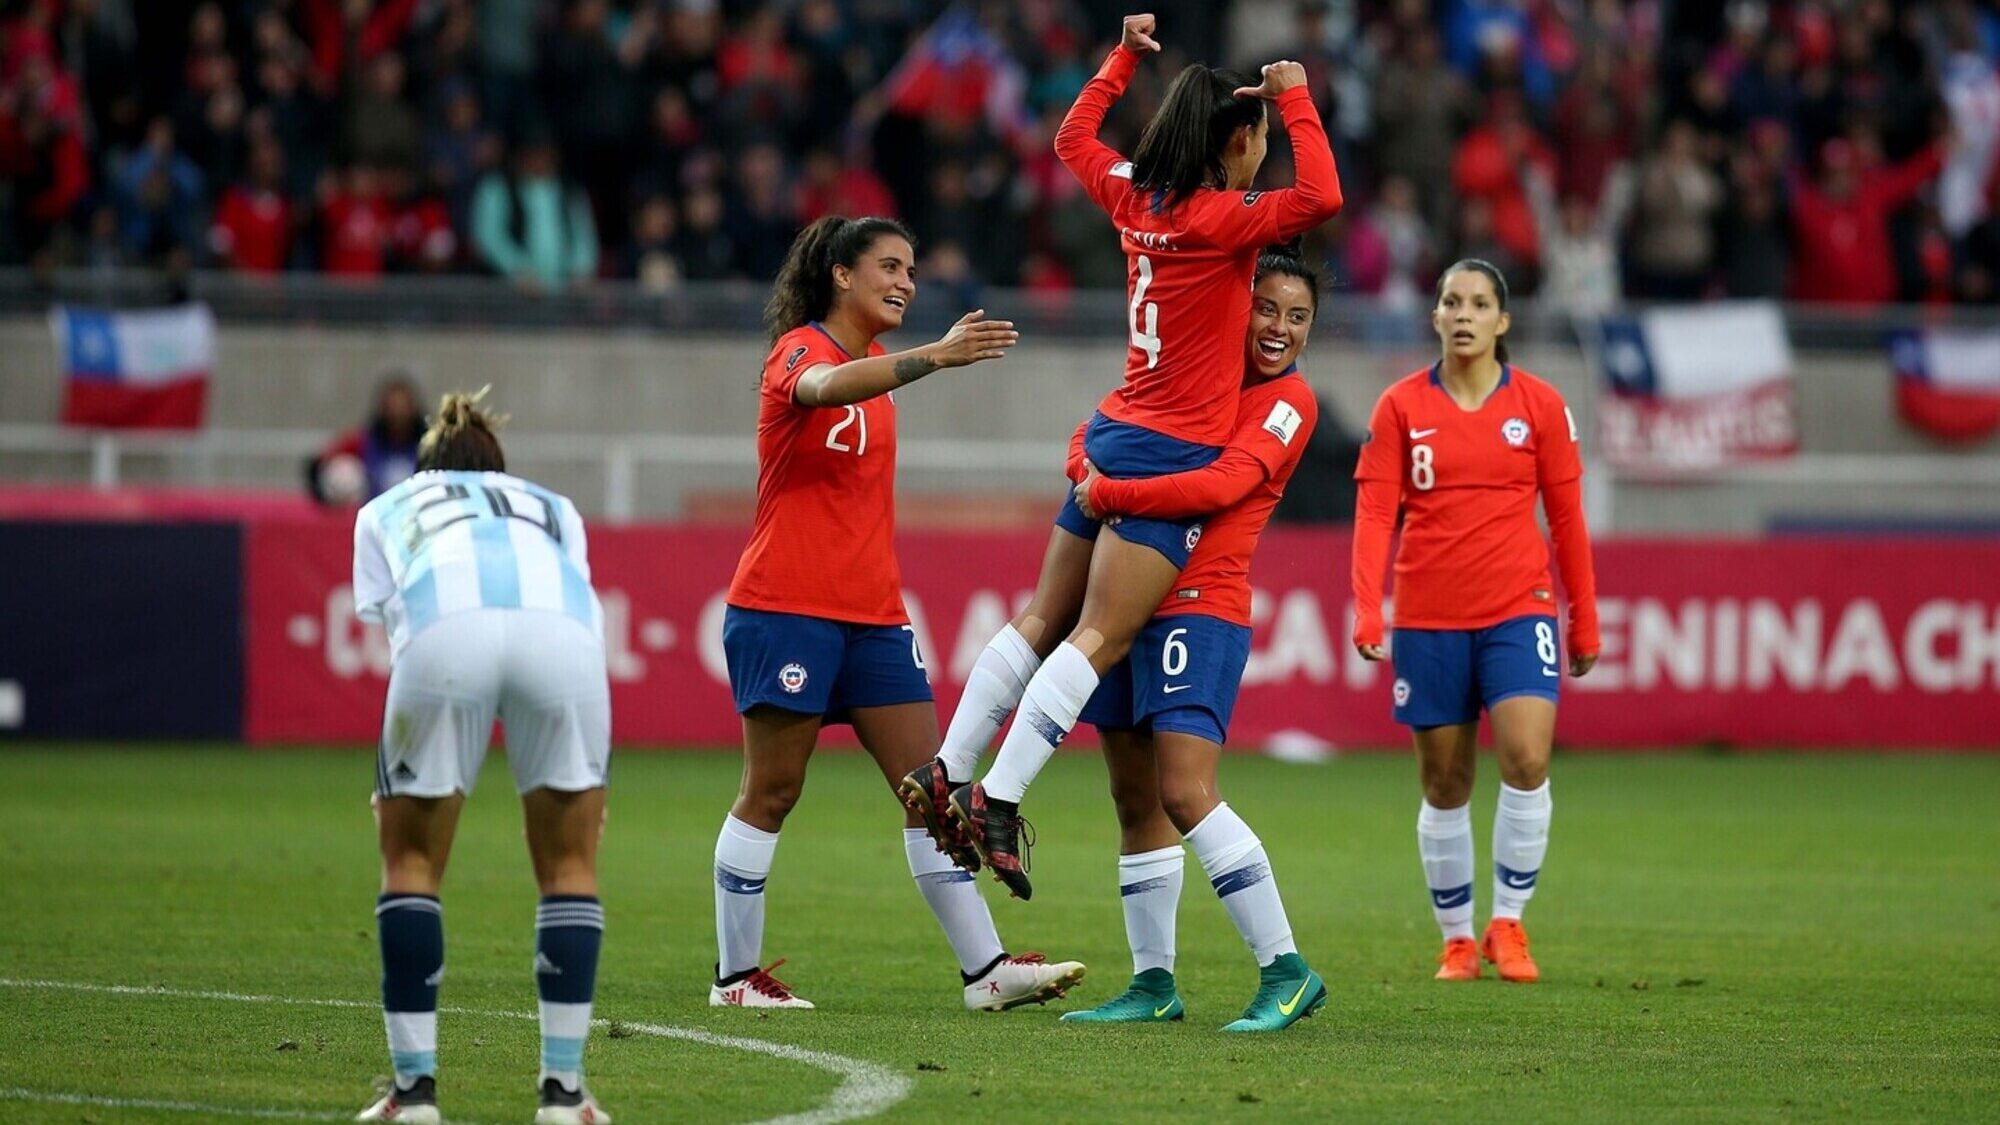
(1828, 150)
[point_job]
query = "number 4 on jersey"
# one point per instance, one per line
(1147, 341)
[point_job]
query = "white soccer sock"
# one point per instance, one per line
(992, 690)
(1233, 859)
(1520, 840)
(949, 891)
(1149, 888)
(742, 863)
(1444, 840)
(1055, 697)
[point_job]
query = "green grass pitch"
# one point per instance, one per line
(1722, 938)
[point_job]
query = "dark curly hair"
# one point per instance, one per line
(804, 289)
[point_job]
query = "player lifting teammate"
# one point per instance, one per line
(815, 631)
(1191, 230)
(483, 584)
(1164, 711)
(1461, 449)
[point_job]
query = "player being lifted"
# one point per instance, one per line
(815, 631)
(1460, 450)
(483, 584)
(1164, 711)
(1191, 230)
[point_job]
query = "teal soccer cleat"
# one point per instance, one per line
(1287, 992)
(1150, 998)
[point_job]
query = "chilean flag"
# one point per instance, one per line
(135, 370)
(1948, 380)
(959, 67)
(1696, 387)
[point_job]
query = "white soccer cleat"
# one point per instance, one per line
(569, 1107)
(1027, 979)
(414, 1106)
(755, 989)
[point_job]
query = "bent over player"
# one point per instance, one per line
(1462, 449)
(482, 582)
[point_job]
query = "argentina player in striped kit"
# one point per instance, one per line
(483, 584)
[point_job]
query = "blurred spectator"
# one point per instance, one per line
(702, 246)
(828, 187)
(591, 97)
(1580, 243)
(354, 216)
(947, 272)
(1841, 251)
(382, 130)
(363, 463)
(1971, 91)
(649, 260)
(48, 169)
(458, 150)
(1419, 102)
(254, 223)
(1491, 166)
(1755, 238)
(1389, 251)
(159, 197)
(759, 216)
(421, 237)
(1673, 214)
(532, 227)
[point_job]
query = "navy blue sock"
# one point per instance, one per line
(411, 928)
(569, 929)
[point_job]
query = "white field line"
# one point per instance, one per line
(51, 1097)
(865, 1089)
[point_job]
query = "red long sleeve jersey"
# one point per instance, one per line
(1189, 268)
(1466, 481)
(823, 544)
(1274, 421)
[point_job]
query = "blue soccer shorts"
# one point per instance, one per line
(1125, 451)
(1182, 675)
(1446, 676)
(814, 666)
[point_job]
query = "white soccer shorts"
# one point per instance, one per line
(541, 674)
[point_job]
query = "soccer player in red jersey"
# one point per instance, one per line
(1191, 230)
(1164, 712)
(1461, 450)
(815, 631)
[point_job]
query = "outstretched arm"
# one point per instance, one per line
(972, 339)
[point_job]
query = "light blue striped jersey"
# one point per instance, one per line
(443, 542)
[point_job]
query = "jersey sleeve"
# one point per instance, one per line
(573, 539)
(1073, 465)
(790, 360)
(1563, 502)
(1103, 173)
(1375, 505)
(1265, 442)
(1559, 457)
(374, 585)
(1258, 218)
(1382, 453)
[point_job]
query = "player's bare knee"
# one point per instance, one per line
(1188, 803)
(1447, 786)
(1135, 804)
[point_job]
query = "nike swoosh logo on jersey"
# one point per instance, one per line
(1172, 688)
(1285, 1008)
(1417, 435)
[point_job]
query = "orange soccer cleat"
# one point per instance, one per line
(1506, 945)
(1459, 961)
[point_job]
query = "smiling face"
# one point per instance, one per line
(1468, 316)
(878, 288)
(1281, 318)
